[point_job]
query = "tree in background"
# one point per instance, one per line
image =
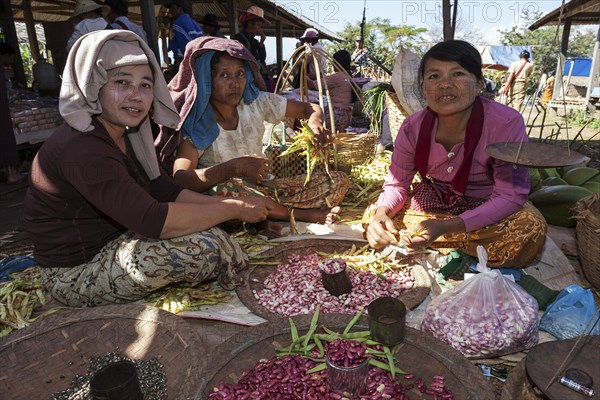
(544, 44)
(382, 39)
(462, 31)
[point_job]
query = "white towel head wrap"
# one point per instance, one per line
(86, 72)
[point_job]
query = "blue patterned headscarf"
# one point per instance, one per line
(201, 125)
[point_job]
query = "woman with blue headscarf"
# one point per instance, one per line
(218, 94)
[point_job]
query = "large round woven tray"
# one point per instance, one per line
(588, 232)
(45, 357)
(543, 361)
(532, 154)
(420, 354)
(518, 386)
(257, 275)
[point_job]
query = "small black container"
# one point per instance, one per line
(338, 283)
(116, 381)
(387, 319)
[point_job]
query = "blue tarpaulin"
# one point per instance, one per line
(581, 66)
(500, 57)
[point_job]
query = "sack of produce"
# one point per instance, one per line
(486, 316)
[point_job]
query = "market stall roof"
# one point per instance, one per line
(579, 12)
(293, 23)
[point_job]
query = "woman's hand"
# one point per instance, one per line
(315, 116)
(424, 233)
(251, 166)
(381, 230)
(253, 209)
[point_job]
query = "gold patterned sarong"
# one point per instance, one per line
(513, 242)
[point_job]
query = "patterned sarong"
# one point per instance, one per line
(130, 267)
(513, 242)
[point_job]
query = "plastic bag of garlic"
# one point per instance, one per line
(485, 316)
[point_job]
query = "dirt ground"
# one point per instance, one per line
(554, 129)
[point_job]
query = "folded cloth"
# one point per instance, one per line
(542, 293)
(457, 263)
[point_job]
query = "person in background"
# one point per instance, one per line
(118, 19)
(9, 156)
(311, 36)
(465, 198)
(489, 88)
(46, 81)
(88, 17)
(360, 57)
(252, 21)
(211, 26)
(340, 91)
(107, 224)
(219, 144)
(548, 89)
(185, 29)
(516, 82)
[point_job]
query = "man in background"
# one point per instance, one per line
(118, 19)
(518, 72)
(210, 24)
(185, 29)
(252, 21)
(360, 56)
(88, 17)
(311, 37)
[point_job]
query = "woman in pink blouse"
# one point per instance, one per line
(465, 197)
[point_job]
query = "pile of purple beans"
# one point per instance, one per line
(297, 287)
(286, 378)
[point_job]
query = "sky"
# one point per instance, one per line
(487, 16)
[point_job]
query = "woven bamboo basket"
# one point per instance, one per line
(257, 274)
(396, 114)
(586, 212)
(45, 357)
(419, 354)
(354, 149)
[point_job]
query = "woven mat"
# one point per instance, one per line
(45, 357)
(411, 298)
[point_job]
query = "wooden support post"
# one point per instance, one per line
(8, 26)
(595, 68)
(149, 25)
(233, 18)
(279, 44)
(31, 34)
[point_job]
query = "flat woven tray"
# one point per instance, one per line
(411, 298)
(543, 361)
(45, 357)
(420, 354)
(532, 154)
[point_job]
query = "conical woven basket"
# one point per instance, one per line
(586, 212)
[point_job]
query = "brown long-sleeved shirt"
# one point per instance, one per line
(84, 192)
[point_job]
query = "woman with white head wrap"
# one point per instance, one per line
(108, 226)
